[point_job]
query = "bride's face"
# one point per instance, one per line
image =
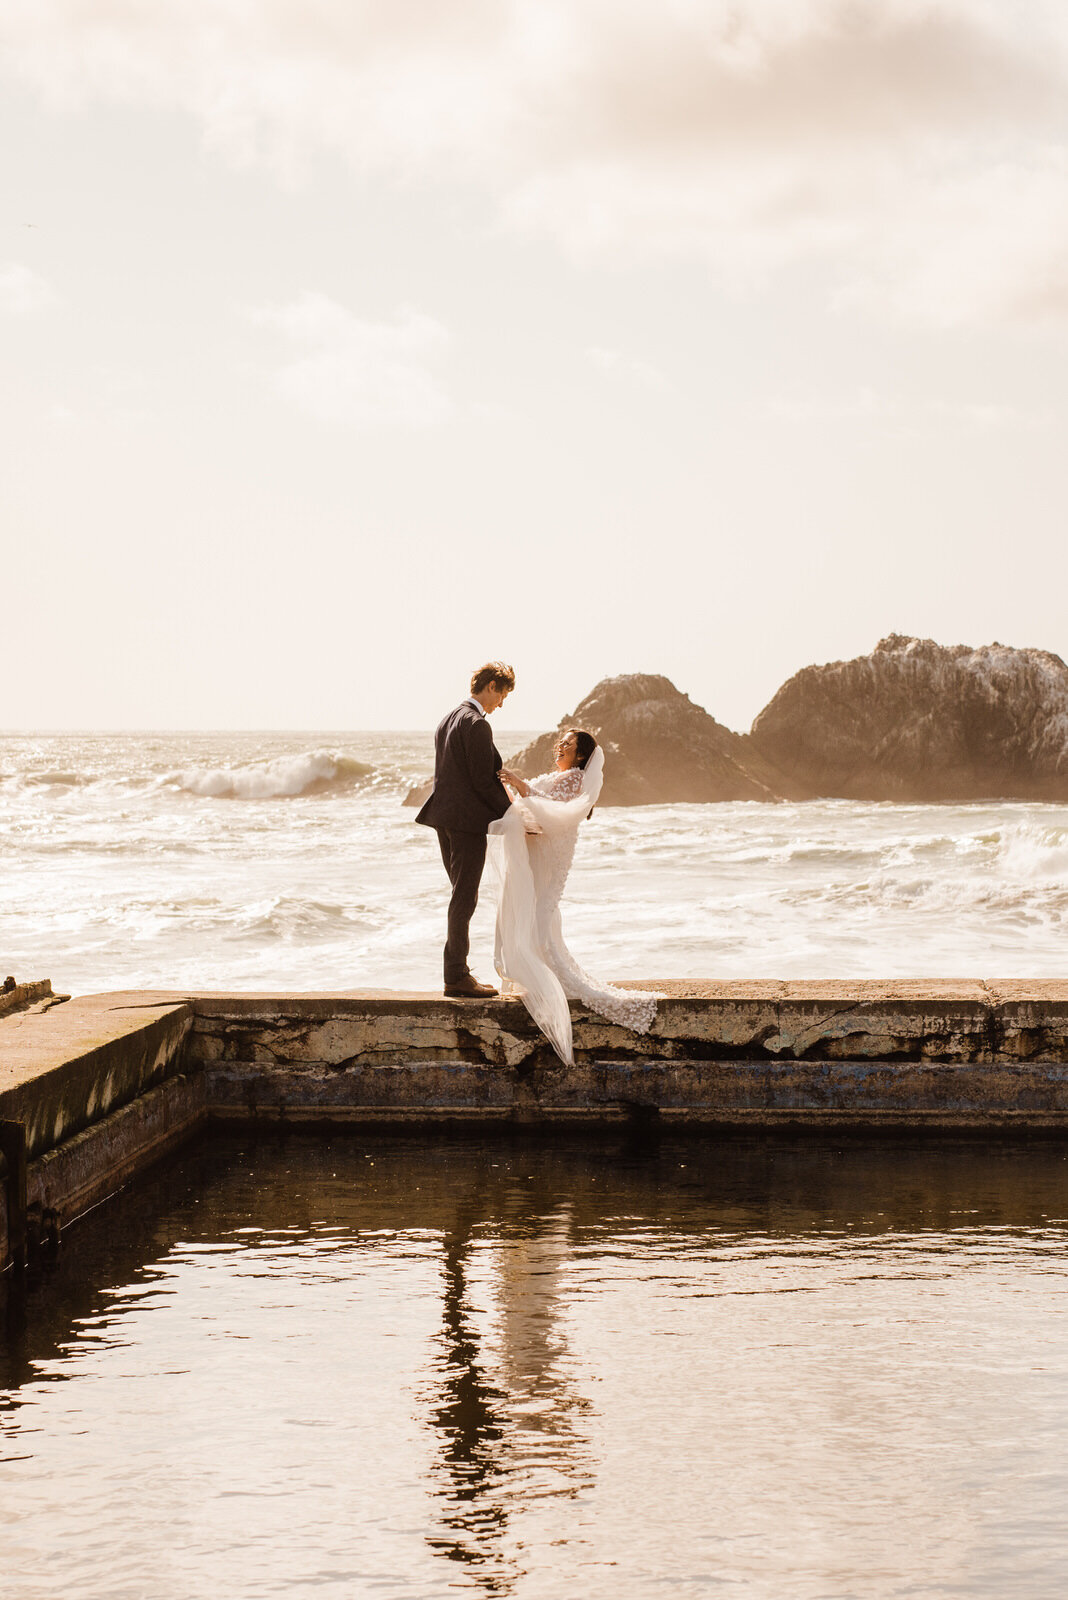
(566, 752)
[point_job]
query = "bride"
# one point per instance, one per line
(537, 836)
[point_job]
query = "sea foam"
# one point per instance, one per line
(189, 861)
(283, 777)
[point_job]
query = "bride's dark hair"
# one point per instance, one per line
(585, 745)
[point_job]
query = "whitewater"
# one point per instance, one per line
(287, 861)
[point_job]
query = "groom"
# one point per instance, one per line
(468, 795)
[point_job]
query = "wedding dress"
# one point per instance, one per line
(537, 838)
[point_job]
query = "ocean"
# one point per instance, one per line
(286, 861)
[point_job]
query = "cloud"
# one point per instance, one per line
(23, 291)
(360, 374)
(619, 365)
(907, 414)
(974, 246)
(913, 149)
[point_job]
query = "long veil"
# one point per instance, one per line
(522, 916)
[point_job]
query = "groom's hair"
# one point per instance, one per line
(495, 672)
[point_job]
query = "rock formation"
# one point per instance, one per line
(661, 748)
(918, 721)
(913, 721)
(419, 793)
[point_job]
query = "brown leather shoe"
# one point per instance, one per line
(469, 988)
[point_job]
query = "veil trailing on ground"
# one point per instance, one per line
(536, 843)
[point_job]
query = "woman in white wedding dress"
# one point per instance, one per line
(537, 837)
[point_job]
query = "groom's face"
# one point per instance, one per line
(496, 696)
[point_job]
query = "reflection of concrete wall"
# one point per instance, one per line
(101, 1085)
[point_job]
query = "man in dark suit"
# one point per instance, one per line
(468, 795)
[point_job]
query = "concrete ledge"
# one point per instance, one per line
(964, 1053)
(100, 1159)
(92, 1091)
(25, 994)
(64, 1069)
(964, 1021)
(79, 1173)
(64, 1074)
(725, 1092)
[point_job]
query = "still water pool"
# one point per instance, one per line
(351, 1367)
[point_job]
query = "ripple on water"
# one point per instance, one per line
(763, 1367)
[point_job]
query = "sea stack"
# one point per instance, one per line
(919, 721)
(660, 748)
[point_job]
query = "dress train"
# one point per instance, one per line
(537, 837)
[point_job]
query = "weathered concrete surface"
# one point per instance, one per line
(961, 1021)
(20, 995)
(105, 1084)
(964, 1052)
(64, 1069)
(97, 1161)
(91, 1088)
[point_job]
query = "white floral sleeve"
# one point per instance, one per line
(558, 785)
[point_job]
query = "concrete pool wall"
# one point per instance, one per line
(95, 1089)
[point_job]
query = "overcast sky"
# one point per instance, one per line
(347, 343)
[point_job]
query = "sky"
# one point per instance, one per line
(349, 343)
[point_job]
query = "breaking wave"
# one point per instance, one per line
(282, 778)
(178, 860)
(1031, 851)
(64, 780)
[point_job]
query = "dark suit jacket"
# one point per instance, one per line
(468, 795)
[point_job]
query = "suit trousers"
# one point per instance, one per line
(464, 855)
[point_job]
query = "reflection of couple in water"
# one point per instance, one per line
(536, 824)
(508, 1414)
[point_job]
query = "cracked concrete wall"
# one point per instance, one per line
(105, 1083)
(967, 1051)
(967, 1022)
(908, 1050)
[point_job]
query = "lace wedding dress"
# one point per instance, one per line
(537, 843)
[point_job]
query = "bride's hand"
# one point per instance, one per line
(513, 781)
